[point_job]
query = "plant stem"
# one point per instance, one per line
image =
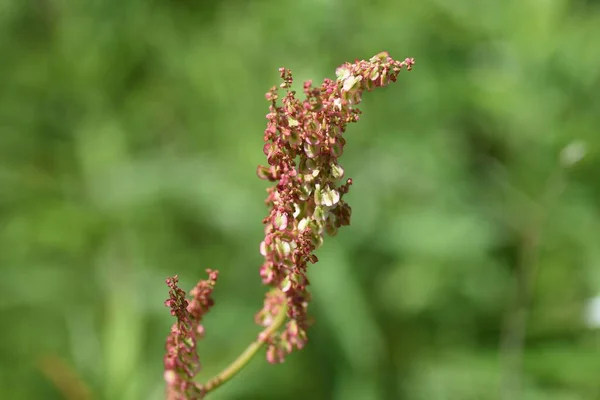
(243, 359)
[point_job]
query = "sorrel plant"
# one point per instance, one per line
(303, 142)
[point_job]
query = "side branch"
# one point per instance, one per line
(243, 359)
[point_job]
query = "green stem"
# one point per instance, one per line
(243, 359)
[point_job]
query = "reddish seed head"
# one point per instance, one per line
(303, 143)
(181, 361)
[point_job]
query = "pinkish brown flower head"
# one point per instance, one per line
(303, 142)
(181, 360)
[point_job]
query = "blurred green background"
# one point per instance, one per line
(129, 136)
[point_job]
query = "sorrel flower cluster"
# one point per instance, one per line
(181, 360)
(304, 140)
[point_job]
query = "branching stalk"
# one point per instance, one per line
(244, 359)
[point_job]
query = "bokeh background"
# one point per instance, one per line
(129, 136)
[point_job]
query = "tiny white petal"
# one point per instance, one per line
(303, 224)
(263, 249)
(331, 197)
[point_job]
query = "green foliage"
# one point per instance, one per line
(129, 138)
